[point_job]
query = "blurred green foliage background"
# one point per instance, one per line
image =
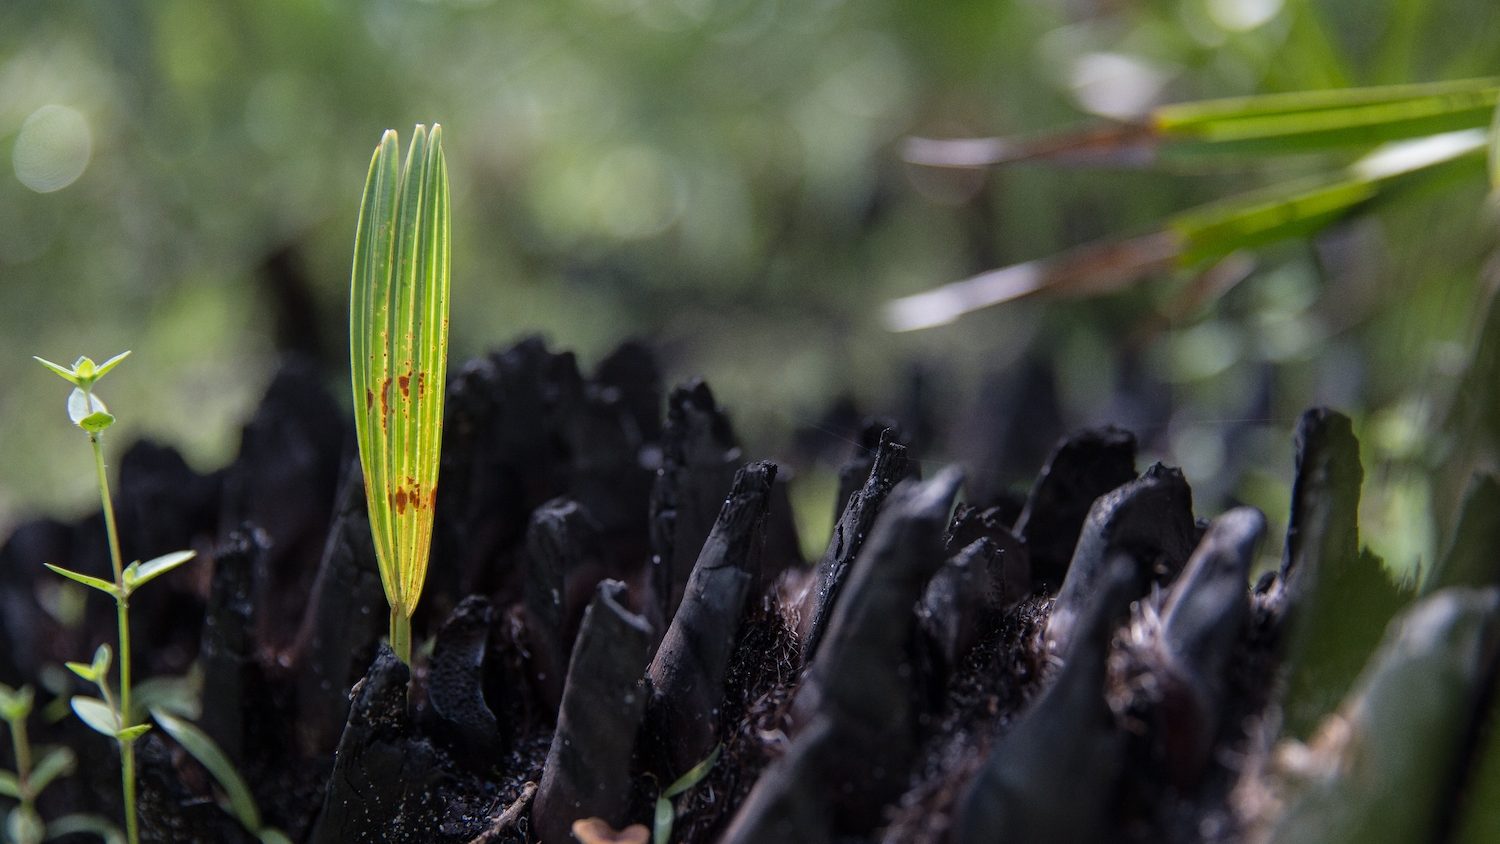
(722, 178)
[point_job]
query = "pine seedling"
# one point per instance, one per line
(22, 824)
(109, 714)
(398, 352)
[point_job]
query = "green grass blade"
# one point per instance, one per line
(92, 582)
(1286, 211)
(369, 306)
(1320, 120)
(1495, 150)
(202, 748)
(402, 491)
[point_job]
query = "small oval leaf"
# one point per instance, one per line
(103, 656)
(154, 568)
(81, 405)
(96, 714)
(24, 826)
(96, 422)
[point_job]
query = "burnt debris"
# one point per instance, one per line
(617, 595)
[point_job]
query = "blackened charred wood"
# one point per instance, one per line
(1081, 468)
(790, 801)
(385, 777)
(285, 480)
(969, 593)
(587, 772)
(227, 652)
(29, 636)
(460, 718)
(1323, 532)
(971, 523)
(343, 623)
(854, 717)
(1336, 598)
(565, 560)
(854, 471)
(1151, 519)
(1202, 622)
(699, 457)
(630, 377)
(1054, 776)
(687, 673)
(848, 538)
(163, 505)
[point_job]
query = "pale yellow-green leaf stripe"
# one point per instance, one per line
(398, 348)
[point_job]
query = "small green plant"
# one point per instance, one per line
(109, 714)
(23, 825)
(398, 352)
(666, 812)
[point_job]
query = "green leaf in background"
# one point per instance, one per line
(97, 715)
(1287, 211)
(1256, 126)
(54, 763)
(1208, 233)
(1277, 124)
(1495, 150)
(202, 748)
(180, 696)
(15, 704)
(23, 826)
(87, 825)
(9, 785)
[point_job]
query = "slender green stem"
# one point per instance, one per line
(122, 618)
(22, 748)
(401, 634)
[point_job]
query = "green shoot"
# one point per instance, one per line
(108, 714)
(666, 813)
(23, 825)
(398, 351)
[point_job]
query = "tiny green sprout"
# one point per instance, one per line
(666, 813)
(109, 714)
(398, 352)
(23, 825)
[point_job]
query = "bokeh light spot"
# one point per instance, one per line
(52, 149)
